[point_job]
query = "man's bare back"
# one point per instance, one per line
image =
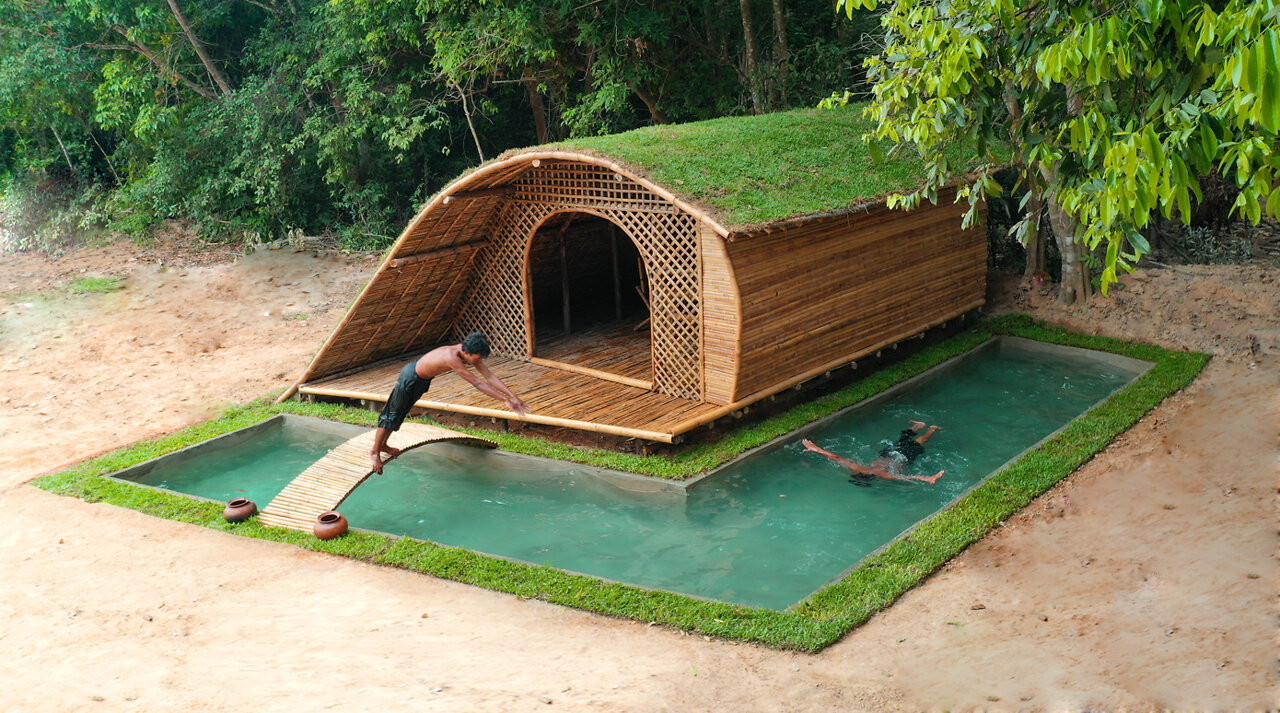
(439, 360)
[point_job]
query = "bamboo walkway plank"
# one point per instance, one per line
(324, 485)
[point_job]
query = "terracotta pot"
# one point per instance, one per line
(239, 510)
(330, 525)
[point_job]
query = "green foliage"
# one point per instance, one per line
(1114, 110)
(46, 214)
(344, 116)
(812, 625)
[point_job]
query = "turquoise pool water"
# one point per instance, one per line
(766, 531)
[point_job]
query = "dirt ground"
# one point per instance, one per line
(1145, 581)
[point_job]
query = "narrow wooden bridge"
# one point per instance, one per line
(329, 481)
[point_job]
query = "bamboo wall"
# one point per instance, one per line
(408, 305)
(722, 318)
(836, 287)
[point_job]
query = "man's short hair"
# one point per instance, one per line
(476, 343)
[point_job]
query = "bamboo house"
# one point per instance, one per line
(648, 283)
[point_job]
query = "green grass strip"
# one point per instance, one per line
(814, 624)
(88, 285)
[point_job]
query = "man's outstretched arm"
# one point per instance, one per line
(484, 387)
(813, 448)
(930, 480)
(517, 404)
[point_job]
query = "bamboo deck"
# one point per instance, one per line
(557, 397)
(329, 481)
(582, 401)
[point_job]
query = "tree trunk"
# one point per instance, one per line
(209, 66)
(1075, 284)
(65, 155)
(466, 111)
(781, 53)
(1034, 238)
(536, 105)
(166, 73)
(106, 156)
(655, 114)
(751, 58)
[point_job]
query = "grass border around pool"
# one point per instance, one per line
(814, 624)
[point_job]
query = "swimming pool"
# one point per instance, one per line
(766, 530)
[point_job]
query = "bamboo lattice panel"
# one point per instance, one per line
(557, 397)
(496, 297)
(329, 481)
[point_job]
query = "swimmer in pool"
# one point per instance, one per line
(892, 458)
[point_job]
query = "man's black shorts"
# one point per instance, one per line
(906, 449)
(409, 388)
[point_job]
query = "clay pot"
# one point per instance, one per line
(330, 525)
(239, 510)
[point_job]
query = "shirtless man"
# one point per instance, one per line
(415, 379)
(892, 458)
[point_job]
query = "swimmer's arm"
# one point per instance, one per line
(813, 448)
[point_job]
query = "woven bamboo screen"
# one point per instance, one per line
(495, 299)
(407, 306)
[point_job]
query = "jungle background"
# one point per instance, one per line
(258, 120)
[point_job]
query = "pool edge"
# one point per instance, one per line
(819, 621)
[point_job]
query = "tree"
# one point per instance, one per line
(258, 118)
(1113, 108)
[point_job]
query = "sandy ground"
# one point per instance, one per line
(1146, 581)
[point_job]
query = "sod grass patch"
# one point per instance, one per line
(749, 171)
(811, 625)
(96, 285)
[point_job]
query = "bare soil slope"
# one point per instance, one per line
(1146, 581)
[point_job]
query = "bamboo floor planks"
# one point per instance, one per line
(329, 481)
(557, 397)
(585, 402)
(614, 347)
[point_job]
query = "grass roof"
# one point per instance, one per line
(749, 171)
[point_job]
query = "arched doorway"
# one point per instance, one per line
(588, 299)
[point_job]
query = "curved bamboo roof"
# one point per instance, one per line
(740, 175)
